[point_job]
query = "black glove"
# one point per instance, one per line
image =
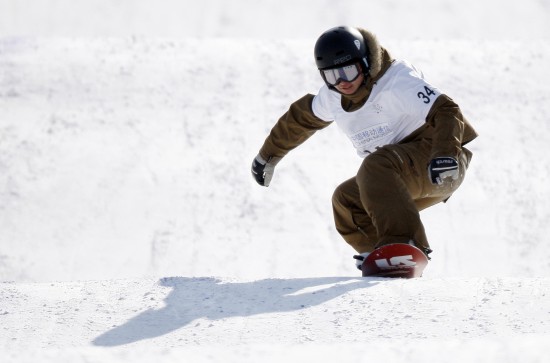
(441, 168)
(262, 170)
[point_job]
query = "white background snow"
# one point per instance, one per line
(131, 229)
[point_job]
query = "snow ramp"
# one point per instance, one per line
(321, 318)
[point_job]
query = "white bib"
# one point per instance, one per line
(398, 105)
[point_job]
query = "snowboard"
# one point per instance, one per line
(395, 260)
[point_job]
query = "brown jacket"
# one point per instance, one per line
(445, 125)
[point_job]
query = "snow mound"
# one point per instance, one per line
(487, 318)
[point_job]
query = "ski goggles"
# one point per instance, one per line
(348, 73)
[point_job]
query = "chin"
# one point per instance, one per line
(347, 91)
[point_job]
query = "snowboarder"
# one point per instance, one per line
(409, 133)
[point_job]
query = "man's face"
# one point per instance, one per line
(349, 88)
(346, 79)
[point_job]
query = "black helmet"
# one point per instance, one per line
(341, 46)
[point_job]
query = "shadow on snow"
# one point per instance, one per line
(193, 298)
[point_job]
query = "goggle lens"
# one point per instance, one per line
(334, 76)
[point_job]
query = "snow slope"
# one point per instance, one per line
(130, 227)
(297, 319)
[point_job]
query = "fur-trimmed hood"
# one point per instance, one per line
(379, 58)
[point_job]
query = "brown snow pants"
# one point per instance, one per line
(381, 204)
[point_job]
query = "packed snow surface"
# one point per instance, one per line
(132, 230)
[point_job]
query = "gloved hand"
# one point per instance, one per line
(441, 168)
(262, 170)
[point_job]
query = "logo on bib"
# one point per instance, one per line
(370, 135)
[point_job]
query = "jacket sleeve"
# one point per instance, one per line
(292, 129)
(450, 129)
